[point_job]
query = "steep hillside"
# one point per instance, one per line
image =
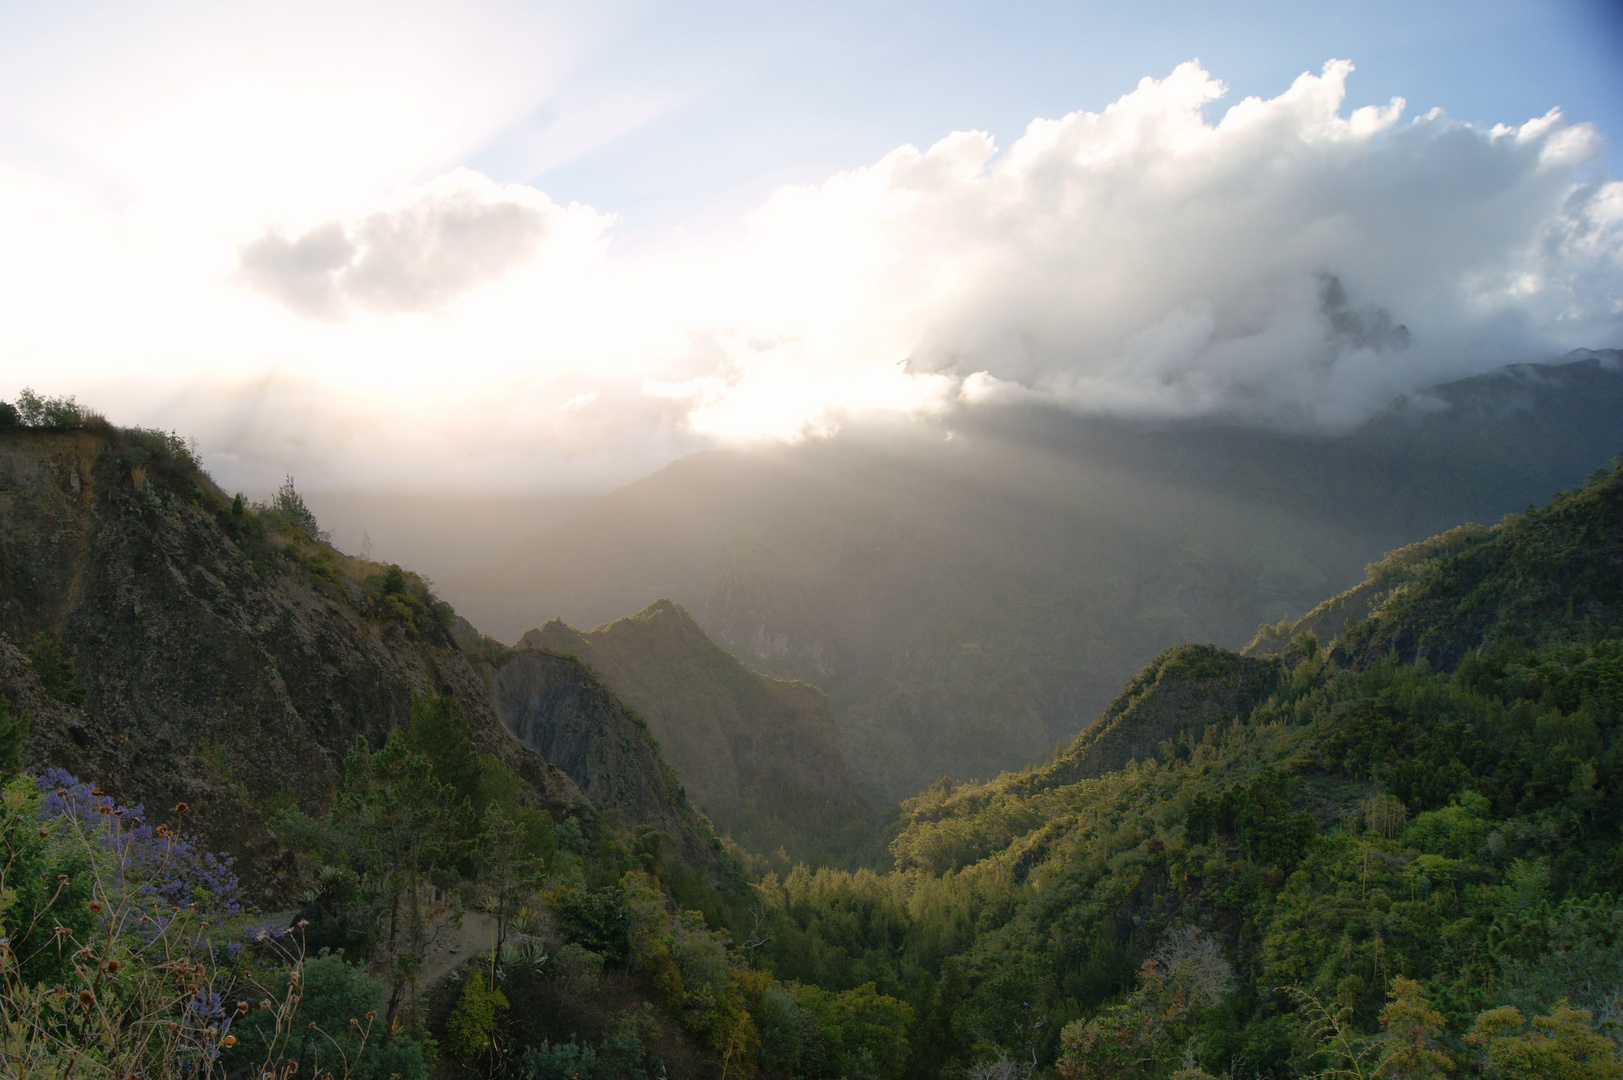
(1330, 863)
(969, 593)
(167, 645)
(564, 713)
(221, 657)
(760, 756)
(1182, 692)
(1395, 572)
(1533, 581)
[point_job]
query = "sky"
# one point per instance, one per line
(527, 247)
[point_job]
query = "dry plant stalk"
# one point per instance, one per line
(130, 962)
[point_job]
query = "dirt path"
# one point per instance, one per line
(451, 945)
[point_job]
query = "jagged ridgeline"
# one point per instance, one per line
(760, 755)
(188, 646)
(970, 592)
(1384, 841)
(539, 900)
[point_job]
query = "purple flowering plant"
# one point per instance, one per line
(122, 944)
(154, 861)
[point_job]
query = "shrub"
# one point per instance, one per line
(559, 1061)
(287, 506)
(117, 956)
(53, 412)
(471, 1030)
(594, 919)
(338, 1031)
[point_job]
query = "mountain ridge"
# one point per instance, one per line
(968, 602)
(760, 756)
(225, 657)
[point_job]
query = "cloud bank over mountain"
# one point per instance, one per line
(1286, 264)
(1291, 262)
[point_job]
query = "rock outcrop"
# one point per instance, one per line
(559, 709)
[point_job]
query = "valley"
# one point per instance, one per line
(811, 541)
(969, 593)
(1392, 799)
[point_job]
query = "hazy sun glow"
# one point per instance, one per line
(258, 228)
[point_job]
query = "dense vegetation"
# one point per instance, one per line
(1400, 856)
(125, 951)
(1273, 893)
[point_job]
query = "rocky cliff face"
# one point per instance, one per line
(215, 672)
(760, 756)
(562, 711)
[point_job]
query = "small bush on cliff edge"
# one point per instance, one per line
(56, 413)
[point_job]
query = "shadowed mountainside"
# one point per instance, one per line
(970, 592)
(222, 658)
(760, 756)
(561, 711)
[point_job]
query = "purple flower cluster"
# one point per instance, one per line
(154, 861)
(207, 1023)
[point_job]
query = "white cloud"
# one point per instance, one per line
(1287, 264)
(460, 232)
(1291, 262)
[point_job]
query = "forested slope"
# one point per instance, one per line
(1400, 855)
(339, 732)
(1422, 823)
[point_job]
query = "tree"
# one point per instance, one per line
(510, 869)
(398, 826)
(1559, 1046)
(1404, 1050)
(437, 731)
(1409, 1026)
(1148, 1031)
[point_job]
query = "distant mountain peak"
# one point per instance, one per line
(761, 756)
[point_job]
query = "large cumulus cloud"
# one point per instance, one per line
(1293, 262)
(1290, 263)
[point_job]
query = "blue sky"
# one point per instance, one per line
(512, 246)
(762, 94)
